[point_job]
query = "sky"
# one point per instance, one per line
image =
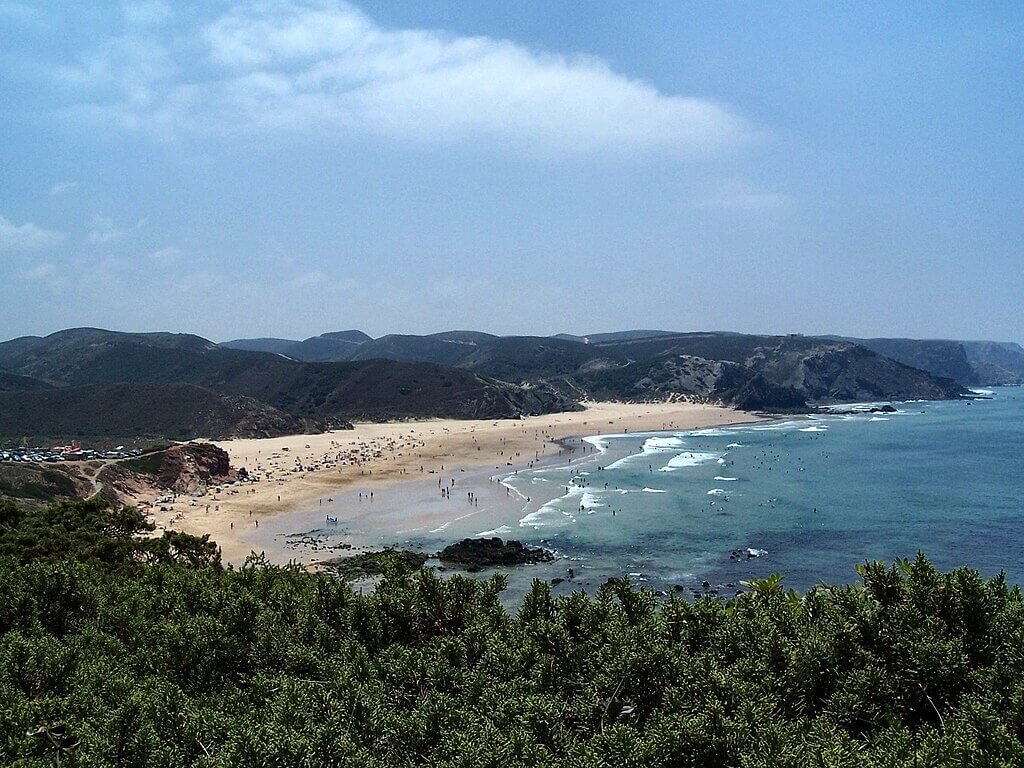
(286, 168)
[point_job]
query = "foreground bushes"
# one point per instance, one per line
(152, 662)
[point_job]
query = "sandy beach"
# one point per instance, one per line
(294, 472)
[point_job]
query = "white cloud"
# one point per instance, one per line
(26, 236)
(104, 232)
(327, 68)
(63, 186)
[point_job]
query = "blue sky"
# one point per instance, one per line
(286, 168)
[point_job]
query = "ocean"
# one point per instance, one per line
(809, 498)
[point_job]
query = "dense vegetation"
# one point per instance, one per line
(121, 651)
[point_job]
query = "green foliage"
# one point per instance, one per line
(375, 563)
(92, 531)
(108, 661)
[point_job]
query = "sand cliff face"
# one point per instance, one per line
(194, 467)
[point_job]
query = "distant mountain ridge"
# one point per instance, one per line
(88, 381)
(969, 363)
(327, 347)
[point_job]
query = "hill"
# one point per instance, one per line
(941, 358)
(274, 346)
(14, 382)
(278, 392)
(996, 362)
(969, 363)
(151, 411)
(442, 348)
(384, 389)
(327, 347)
(818, 370)
(658, 364)
(533, 358)
(457, 374)
(598, 338)
(32, 485)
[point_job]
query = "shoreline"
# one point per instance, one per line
(293, 477)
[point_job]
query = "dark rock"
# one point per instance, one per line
(474, 554)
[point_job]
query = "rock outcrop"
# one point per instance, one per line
(474, 554)
(190, 469)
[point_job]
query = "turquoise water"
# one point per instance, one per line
(812, 497)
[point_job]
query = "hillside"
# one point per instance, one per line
(532, 358)
(151, 411)
(696, 378)
(274, 346)
(191, 469)
(384, 389)
(277, 393)
(599, 338)
(843, 372)
(815, 369)
(441, 348)
(634, 366)
(457, 374)
(14, 382)
(941, 358)
(68, 356)
(327, 347)
(997, 362)
(969, 363)
(34, 485)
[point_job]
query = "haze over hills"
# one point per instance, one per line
(86, 381)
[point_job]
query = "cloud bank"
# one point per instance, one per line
(327, 68)
(26, 236)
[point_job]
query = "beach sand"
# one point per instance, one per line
(295, 472)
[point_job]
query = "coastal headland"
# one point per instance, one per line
(287, 474)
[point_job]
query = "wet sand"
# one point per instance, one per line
(299, 479)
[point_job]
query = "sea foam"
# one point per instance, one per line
(692, 459)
